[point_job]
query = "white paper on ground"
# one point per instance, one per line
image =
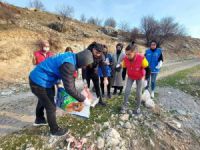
(86, 109)
(84, 113)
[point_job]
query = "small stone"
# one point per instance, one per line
(57, 148)
(117, 148)
(88, 134)
(30, 148)
(112, 137)
(100, 143)
(118, 126)
(106, 125)
(124, 117)
(175, 125)
(152, 143)
(182, 112)
(123, 148)
(121, 123)
(28, 145)
(62, 144)
(127, 125)
(6, 92)
(134, 142)
(130, 112)
(169, 92)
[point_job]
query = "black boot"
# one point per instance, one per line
(101, 103)
(59, 132)
(115, 91)
(109, 96)
(120, 92)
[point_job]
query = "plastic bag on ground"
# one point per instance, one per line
(149, 103)
(146, 95)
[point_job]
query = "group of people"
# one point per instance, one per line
(97, 64)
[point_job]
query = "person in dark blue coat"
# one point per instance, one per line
(155, 58)
(108, 68)
(43, 78)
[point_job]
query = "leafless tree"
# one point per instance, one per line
(134, 34)
(83, 18)
(149, 27)
(95, 21)
(168, 29)
(36, 4)
(65, 12)
(124, 26)
(110, 22)
(162, 30)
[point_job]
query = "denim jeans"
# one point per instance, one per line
(152, 80)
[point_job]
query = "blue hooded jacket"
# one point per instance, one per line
(47, 73)
(153, 59)
(107, 68)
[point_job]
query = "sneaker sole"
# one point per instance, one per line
(54, 136)
(37, 125)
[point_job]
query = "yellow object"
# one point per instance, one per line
(123, 64)
(145, 63)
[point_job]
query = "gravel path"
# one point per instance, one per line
(185, 105)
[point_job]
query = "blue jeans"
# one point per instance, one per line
(152, 79)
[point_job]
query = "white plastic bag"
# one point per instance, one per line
(146, 95)
(149, 103)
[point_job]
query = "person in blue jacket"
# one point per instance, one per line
(108, 68)
(43, 78)
(155, 58)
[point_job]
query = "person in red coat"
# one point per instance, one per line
(42, 54)
(137, 69)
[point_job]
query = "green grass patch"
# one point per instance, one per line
(23, 138)
(99, 115)
(187, 80)
(78, 127)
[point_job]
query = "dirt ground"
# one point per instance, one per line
(18, 108)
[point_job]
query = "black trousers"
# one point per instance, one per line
(108, 86)
(95, 79)
(45, 101)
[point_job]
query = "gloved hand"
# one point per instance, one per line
(118, 65)
(159, 65)
(118, 68)
(87, 102)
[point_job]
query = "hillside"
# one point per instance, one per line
(21, 28)
(173, 124)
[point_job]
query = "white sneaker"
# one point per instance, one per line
(152, 94)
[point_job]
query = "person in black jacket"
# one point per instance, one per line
(91, 71)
